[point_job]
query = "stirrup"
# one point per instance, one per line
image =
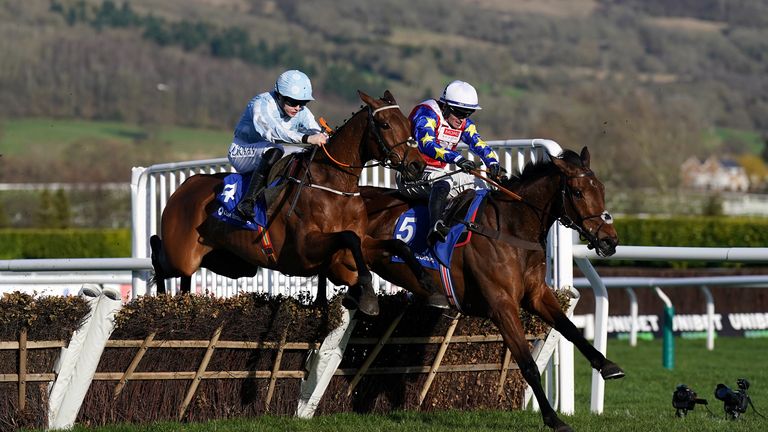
(245, 208)
(438, 233)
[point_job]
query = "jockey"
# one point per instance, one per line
(438, 127)
(270, 118)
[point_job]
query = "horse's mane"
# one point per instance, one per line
(362, 108)
(532, 171)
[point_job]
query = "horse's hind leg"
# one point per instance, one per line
(322, 245)
(544, 304)
(375, 249)
(505, 314)
(160, 275)
(321, 300)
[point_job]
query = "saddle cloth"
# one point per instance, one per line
(234, 187)
(412, 227)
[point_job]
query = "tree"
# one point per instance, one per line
(756, 170)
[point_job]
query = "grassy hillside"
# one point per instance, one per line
(653, 79)
(29, 136)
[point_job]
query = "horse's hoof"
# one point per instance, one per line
(369, 307)
(611, 371)
(557, 425)
(439, 301)
(365, 300)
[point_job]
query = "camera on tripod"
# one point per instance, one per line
(684, 399)
(736, 402)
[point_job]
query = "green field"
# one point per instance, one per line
(639, 402)
(26, 136)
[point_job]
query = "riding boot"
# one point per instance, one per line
(438, 199)
(258, 182)
(245, 206)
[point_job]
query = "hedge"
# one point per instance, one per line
(719, 231)
(64, 243)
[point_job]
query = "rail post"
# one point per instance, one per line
(668, 350)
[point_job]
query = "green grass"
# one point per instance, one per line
(26, 136)
(642, 401)
(750, 138)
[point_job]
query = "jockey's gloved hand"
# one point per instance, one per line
(494, 171)
(466, 165)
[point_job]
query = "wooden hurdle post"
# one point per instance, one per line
(439, 358)
(134, 364)
(504, 369)
(22, 369)
(276, 368)
(200, 371)
(374, 353)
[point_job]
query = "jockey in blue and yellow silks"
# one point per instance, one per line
(438, 127)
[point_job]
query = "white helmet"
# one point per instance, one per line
(295, 85)
(460, 94)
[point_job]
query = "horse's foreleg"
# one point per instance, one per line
(545, 305)
(505, 314)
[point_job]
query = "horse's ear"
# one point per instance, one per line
(585, 156)
(365, 98)
(389, 98)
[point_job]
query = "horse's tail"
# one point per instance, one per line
(158, 276)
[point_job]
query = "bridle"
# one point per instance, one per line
(391, 159)
(566, 193)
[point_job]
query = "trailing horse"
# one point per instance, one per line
(316, 220)
(501, 267)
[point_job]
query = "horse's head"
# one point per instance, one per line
(583, 205)
(390, 138)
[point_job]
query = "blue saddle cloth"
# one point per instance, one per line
(412, 227)
(235, 186)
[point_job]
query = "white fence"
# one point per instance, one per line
(151, 187)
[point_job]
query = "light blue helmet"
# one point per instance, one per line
(295, 85)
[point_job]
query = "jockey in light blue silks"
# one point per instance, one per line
(438, 127)
(270, 118)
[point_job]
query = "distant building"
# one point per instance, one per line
(714, 174)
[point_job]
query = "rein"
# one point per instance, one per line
(379, 140)
(564, 219)
(341, 165)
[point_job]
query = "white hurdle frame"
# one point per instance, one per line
(582, 256)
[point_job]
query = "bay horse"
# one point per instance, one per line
(315, 225)
(502, 267)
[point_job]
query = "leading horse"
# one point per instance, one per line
(502, 267)
(316, 225)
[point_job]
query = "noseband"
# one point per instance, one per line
(391, 159)
(566, 194)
